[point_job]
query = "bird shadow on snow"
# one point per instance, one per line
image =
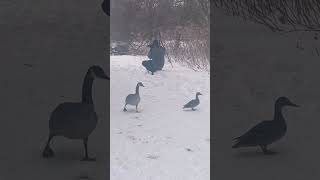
(72, 155)
(257, 154)
(68, 155)
(190, 110)
(132, 111)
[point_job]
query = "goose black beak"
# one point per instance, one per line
(293, 105)
(105, 77)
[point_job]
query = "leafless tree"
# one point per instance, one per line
(285, 16)
(181, 25)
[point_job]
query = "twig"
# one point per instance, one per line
(169, 59)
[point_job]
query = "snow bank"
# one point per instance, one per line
(162, 141)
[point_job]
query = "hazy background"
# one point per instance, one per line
(252, 66)
(46, 49)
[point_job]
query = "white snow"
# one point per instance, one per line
(162, 141)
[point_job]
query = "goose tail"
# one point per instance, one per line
(235, 146)
(237, 143)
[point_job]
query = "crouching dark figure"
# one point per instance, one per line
(156, 54)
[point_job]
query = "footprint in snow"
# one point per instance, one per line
(152, 157)
(132, 138)
(189, 150)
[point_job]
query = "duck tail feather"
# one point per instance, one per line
(237, 138)
(235, 145)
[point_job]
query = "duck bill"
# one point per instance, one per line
(294, 105)
(105, 77)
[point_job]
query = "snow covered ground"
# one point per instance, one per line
(162, 141)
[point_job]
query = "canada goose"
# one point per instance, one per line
(76, 120)
(133, 99)
(266, 132)
(193, 103)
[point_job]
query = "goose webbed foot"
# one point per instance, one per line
(48, 152)
(124, 109)
(193, 109)
(88, 159)
(267, 152)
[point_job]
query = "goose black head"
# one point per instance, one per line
(284, 101)
(98, 72)
(140, 84)
(198, 93)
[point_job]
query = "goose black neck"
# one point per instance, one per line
(137, 89)
(87, 89)
(197, 96)
(278, 113)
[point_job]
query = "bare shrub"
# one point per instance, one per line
(181, 25)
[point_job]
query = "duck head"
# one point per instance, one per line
(98, 72)
(198, 93)
(140, 84)
(284, 101)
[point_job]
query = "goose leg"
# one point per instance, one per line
(266, 151)
(48, 152)
(193, 109)
(125, 109)
(137, 108)
(86, 157)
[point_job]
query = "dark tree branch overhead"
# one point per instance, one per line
(277, 15)
(106, 7)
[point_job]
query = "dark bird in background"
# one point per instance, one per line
(76, 120)
(193, 103)
(266, 132)
(106, 7)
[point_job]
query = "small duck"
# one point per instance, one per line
(133, 99)
(266, 132)
(76, 120)
(193, 103)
